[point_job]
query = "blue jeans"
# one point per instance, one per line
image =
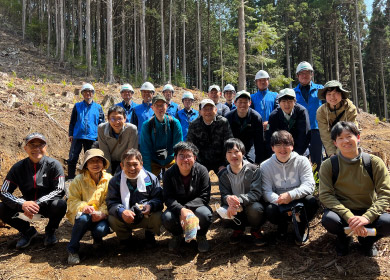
(75, 150)
(81, 226)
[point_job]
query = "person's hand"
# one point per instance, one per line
(357, 223)
(128, 216)
(146, 209)
(30, 208)
(98, 217)
(284, 198)
(231, 211)
(88, 209)
(70, 139)
(233, 201)
(265, 125)
(184, 212)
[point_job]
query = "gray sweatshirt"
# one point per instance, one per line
(294, 176)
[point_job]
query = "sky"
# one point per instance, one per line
(369, 7)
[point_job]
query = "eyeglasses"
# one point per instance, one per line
(36, 146)
(116, 119)
(183, 157)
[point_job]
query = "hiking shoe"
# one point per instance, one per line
(149, 239)
(203, 244)
(73, 259)
(174, 243)
(50, 239)
(258, 238)
(342, 246)
(236, 236)
(26, 238)
(301, 242)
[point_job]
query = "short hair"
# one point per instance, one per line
(185, 146)
(286, 97)
(117, 109)
(234, 142)
(339, 127)
(282, 137)
(129, 153)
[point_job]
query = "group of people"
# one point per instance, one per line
(257, 145)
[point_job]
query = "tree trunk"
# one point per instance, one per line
(288, 59)
(88, 37)
(41, 18)
(57, 28)
(143, 42)
(24, 7)
(241, 47)
(48, 27)
(123, 41)
(81, 52)
(208, 45)
(170, 44)
(136, 66)
(110, 49)
(199, 49)
(174, 48)
(353, 74)
(360, 58)
(98, 36)
(184, 72)
(383, 83)
(162, 41)
(310, 49)
(336, 51)
(62, 31)
(221, 53)
(72, 29)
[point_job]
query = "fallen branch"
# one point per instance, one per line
(57, 123)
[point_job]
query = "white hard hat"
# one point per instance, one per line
(304, 65)
(286, 92)
(205, 102)
(147, 86)
(188, 95)
(127, 87)
(87, 86)
(229, 87)
(214, 87)
(168, 87)
(261, 75)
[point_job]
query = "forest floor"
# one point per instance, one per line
(38, 95)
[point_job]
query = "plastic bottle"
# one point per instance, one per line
(370, 231)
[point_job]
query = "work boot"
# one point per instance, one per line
(149, 239)
(50, 239)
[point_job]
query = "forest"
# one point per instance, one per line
(196, 43)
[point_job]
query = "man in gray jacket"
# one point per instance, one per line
(240, 187)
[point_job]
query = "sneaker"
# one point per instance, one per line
(26, 238)
(301, 243)
(97, 243)
(342, 246)
(73, 259)
(50, 239)
(174, 243)
(259, 239)
(203, 244)
(149, 239)
(236, 236)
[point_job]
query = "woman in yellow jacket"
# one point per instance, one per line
(87, 209)
(337, 108)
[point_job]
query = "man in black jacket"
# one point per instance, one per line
(40, 179)
(187, 192)
(291, 117)
(247, 125)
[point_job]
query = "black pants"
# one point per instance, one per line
(75, 150)
(252, 215)
(54, 210)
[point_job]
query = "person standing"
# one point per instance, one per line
(127, 103)
(173, 107)
(215, 94)
(143, 111)
(229, 93)
(187, 114)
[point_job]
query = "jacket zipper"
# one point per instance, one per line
(35, 181)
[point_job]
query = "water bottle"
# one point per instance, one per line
(370, 231)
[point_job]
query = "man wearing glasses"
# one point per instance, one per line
(40, 179)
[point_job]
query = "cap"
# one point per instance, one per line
(188, 95)
(205, 102)
(34, 135)
(168, 87)
(286, 92)
(147, 86)
(87, 86)
(262, 75)
(94, 153)
(332, 84)
(214, 87)
(243, 94)
(229, 87)
(157, 98)
(127, 87)
(304, 65)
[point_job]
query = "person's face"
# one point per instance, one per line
(127, 95)
(347, 143)
(333, 97)
(185, 161)
(304, 77)
(147, 96)
(242, 105)
(287, 105)
(262, 84)
(87, 95)
(282, 151)
(95, 165)
(35, 149)
(131, 166)
(229, 95)
(117, 121)
(168, 95)
(187, 103)
(214, 95)
(234, 157)
(159, 108)
(208, 113)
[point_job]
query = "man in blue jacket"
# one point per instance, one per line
(143, 111)
(159, 134)
(306, 95)
(83, 126)
(127, 93)
(188, 114)
(264, 100)
(173, 107)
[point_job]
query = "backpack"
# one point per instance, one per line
(335, 166)
(152, 125)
